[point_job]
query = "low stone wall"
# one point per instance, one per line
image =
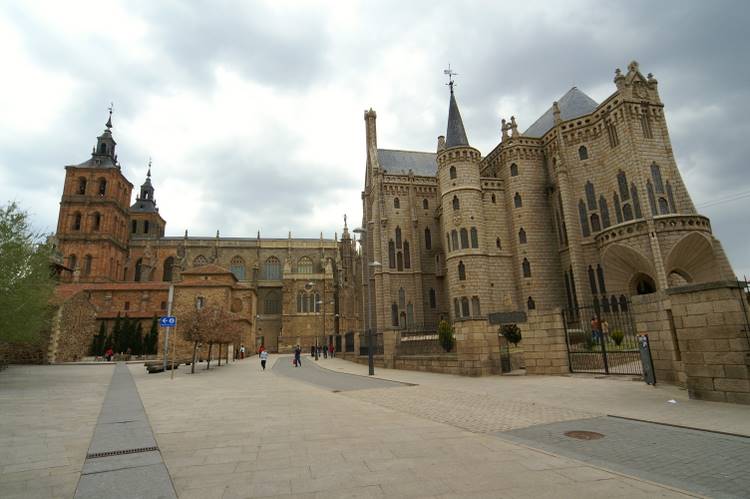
(653, 316)
(24, 352)
(544, 347)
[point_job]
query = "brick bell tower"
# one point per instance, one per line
(462, 220)
(92, 230)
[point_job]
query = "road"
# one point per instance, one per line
(324, 378)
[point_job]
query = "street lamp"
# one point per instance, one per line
(370, 361)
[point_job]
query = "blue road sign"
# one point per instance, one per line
(168, 321)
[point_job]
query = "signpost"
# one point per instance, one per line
(168, 322)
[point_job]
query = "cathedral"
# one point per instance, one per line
(286, 291)
(585, 207)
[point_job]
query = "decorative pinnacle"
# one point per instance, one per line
(109, 121)
(345, 221)
(148, 174)
(450, 73)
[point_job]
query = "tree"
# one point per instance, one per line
(97, 343)
(512, 333)
(26, 280)
(116, 337)
(209, 325)
(150, 343)
(445, 335)
(136, 340)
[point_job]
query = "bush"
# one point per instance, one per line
(617, 336)
(445, 336)
(512, 333)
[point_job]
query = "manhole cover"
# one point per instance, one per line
(336, 391)
(584, 435)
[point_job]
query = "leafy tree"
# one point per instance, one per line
(109, 343)
(26, 281)
(512, 333)
(150, 343)
(97, 343)
(210, 325)
(136, 340)
(116, 338)
(445, 335)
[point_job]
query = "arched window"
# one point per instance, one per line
(494, 199)
(401, 298)
(627, 212)
(656, 174)
(530, 304)
(448, 241)
(102, 148)
(409, 315)
(81, 185)
(399, 261)
(622, 185)
(596, 225)
(452, 172)
(138, 270)
(134, 226)
(456, 204)
(315, 302)
(475, 309)
(613, 303)
(237, 267)
(301, 302)
(72, 262)
(272, 303)
(145, 226)
(200, 302)
(651, 197)
(497, 243)
(398, 237)
(623, 303)
(526, 267)
(600, 278)
(670, 196)
(456, 308)
(474, 237)
(396, 203)
(97, 221)
(454, 239)
(636, 201)
(391, 254)
(513, 170)
(583, 153)
(590, 196)
(87, 265)
(304, 266)
(604, 210)
(77, 221)
(517, 200)
(272, 269)
(425, 204)
(461, 271)
(427, 238)
(663, 206)
(167, 269)
(618, 208)
(199, 261)
(592, 280)
(522, 236)
(465, 307)
(407, 255)
(394, 315)
(464, 238)
(433, 298)
(584, 219)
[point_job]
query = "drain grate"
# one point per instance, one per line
(584, 435)
(120, 452)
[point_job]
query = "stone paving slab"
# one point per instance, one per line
(237, 432)
(312, 373)
(703, 462)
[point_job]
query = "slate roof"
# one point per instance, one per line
(400, 162)
(97, 161)
(456, 134)
(573, 104)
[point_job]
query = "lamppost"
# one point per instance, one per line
(363, 234)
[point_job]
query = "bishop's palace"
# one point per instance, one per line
(584, 213)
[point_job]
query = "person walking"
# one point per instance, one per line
(242, 351)
(331, 350)
(604, 325)
(595, 329)
(312, 351)
(325, 352)
(297, 356)
(108, 354)
(263, 359)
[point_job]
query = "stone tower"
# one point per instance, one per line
(92, 224)
(462, 219)
(145, 220)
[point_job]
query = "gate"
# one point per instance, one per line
(611, 350)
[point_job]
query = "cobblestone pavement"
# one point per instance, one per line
(703, 462)
(47, 417)
(479, 413)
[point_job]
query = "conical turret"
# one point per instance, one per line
(456, 134)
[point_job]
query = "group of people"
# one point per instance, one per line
(323, 351)
(599, 329)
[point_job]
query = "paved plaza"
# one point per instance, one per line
(323, 430)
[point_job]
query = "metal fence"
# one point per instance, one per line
(349, 342)
(377, 344)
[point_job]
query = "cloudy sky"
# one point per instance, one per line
(253, 112)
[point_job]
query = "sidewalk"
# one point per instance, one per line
(240, 432)
(613, 395)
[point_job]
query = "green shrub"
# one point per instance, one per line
(617, 336)
(589, 343)
(445, 335)
(512, 333)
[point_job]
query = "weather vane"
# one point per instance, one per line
(109, 120)
(450, 73)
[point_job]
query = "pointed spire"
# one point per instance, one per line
(148, 174)
(456, 135)
(109, 120)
